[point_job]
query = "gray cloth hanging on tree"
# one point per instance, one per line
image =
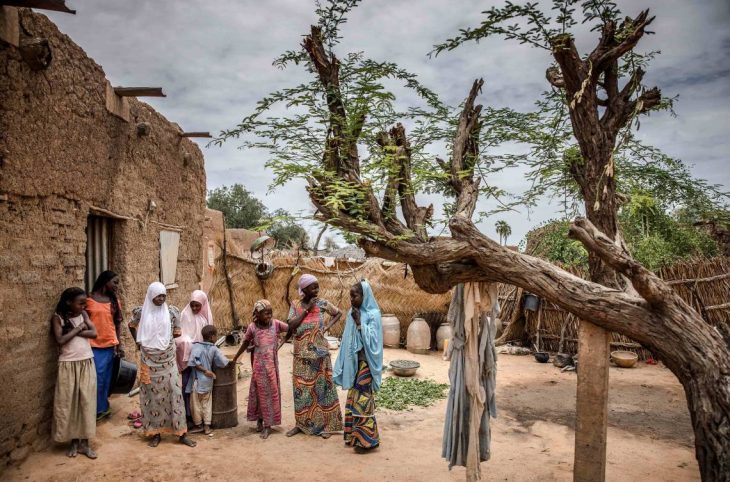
(472, 375)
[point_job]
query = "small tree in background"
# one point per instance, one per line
(240, 208)
(504, 231)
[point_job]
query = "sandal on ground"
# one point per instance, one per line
(155, 441)
(196, 429)
(186, 441)
(137, 423)
(134, 415)
(325, 435)
(104, 414)
(293, 432)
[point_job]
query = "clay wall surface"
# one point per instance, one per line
(213, 230)
(62, 154)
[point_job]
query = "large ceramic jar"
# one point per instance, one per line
(418, 337)
(391, 331)
(442, 334)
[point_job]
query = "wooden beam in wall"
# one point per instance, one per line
(10, 26)
(116, 105)
(55, 5)
(195, 134)
(139, 91)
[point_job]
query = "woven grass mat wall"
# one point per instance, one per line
(396, 293)
(704, 284)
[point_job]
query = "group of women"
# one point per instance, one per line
(165, 337)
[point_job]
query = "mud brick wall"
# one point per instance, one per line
(62, 152)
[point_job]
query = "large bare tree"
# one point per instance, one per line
(622, 296)
(652, 314)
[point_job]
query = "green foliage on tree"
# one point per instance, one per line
(283, 227)
(550, 241)
(241, 209)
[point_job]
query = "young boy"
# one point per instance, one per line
(203, 357)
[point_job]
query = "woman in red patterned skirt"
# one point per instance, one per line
(316, 406)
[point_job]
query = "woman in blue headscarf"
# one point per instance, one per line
(359, 367)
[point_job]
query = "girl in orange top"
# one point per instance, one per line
(105, 312)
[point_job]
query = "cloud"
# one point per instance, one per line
(213, 60)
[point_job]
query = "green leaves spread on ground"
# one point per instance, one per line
(401, 393)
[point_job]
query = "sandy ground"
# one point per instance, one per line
(649, 437)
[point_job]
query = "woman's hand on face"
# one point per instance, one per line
(312, 303)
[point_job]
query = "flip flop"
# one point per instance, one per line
(134, 415)
(137, 423)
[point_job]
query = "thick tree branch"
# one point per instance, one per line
(464, 154)
(647, 284)
(615, 43)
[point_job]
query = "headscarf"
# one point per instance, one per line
(369, 339)
(306, 280)
(154, 328)
(191, 325)
(261, 305)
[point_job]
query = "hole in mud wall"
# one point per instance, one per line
(99, 243)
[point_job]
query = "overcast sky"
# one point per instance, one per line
(213, 60)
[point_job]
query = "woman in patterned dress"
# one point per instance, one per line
(316, 406)
(359, 367)
(264, 395)
(154, 326)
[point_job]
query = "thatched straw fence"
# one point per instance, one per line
(704, 284)
(396, 292)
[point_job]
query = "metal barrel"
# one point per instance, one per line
(225, 401)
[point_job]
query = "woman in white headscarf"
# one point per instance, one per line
(154, 325)
(195, 316)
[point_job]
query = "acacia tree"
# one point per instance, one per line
(377, 201)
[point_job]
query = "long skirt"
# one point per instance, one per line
(361, 429)
(104, 362)
(316, 406)
(160, 395)
(74, 403)
(264, 394)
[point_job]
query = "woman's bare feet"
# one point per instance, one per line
(73, 449)
(207, 430)
(155, 440)
(293, 432)
(265, 433)
(259, 425)
(84, 449)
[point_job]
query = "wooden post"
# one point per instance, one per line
(591, 418)
(139, 92)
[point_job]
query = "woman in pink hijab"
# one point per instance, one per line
(194, 317)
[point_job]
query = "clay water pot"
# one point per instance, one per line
(443, 334)
(418, 336)
(391, 331)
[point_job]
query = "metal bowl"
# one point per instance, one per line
(541, 356)
(404, 368)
